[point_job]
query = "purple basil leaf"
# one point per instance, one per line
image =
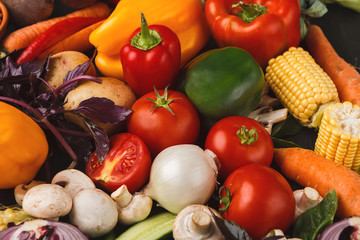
(231, 230)
(13, 69)
(78, 71)
(101, 139)
(66, 87)
(34, 67)
(103, 110)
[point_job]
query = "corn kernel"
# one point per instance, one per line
(300, 84)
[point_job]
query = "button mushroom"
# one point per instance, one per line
(47, 201)
(197, 222)
(131, 208)
(305, 198)
(73, 181)
(94, 212)
(21, 189)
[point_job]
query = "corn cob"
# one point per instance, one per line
(339, 135)
(301, 85)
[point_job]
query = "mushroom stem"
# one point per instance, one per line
(201, 223)
(197, 222)
(131, 208)
(122, 196)
(305, 199)
(267, 117)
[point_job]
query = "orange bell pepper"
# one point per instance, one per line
(185, 17)
(23, 147)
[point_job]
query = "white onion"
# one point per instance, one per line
(182, 175)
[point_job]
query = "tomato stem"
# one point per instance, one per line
(162, 101)
(226, 200)
(247, 136)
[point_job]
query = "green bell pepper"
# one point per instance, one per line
(224, 82)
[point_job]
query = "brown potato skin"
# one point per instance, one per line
(114, 89)
(63, 62)
(26, 12)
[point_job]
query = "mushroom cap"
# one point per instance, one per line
(47, 201)
(94, 212)
(73, 181)
(184, 228)
(21, 189)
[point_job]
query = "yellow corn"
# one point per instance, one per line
(339, 135)
(301, 85)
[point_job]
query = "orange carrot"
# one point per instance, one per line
(76, 42)
(345, 77)
(23, 37)
(308, 168)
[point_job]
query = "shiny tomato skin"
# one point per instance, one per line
(261, 200)
(158, 127)
(224, 142)
(128, 162)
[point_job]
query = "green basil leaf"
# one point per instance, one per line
(281, 143)
(288, 127)
(316, 219)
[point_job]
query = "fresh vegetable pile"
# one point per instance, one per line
(138, 119)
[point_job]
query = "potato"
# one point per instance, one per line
(26, 12)
(77, 3)
(116, 90)
(63, 62)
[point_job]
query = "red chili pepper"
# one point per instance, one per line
(264, 28)
(151, 58)
(56, 33)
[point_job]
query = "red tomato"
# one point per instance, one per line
(225, 140)
(128, 162)
(167, 119)
(261, 200)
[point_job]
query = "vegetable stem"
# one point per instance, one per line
(41, 118)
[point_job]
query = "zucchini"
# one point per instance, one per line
(155, 227)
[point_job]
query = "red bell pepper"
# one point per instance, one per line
(264, 28)
(54, 34)
(151, 58)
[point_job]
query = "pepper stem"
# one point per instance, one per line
(247, 136)
(147, 38)
(249, 12)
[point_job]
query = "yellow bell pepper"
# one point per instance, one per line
(23, 147)
(184, 17)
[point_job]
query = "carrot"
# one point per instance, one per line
(77, 42)
(23, 37)
(345, 77)
(308, 168)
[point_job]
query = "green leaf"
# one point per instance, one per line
(352, 4)
(281, 143)
(231, 230)
(288, 127)
(316, 219)
(313, 8)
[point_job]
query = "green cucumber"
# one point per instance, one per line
(155, 227)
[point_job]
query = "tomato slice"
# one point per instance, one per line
(128, 162)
